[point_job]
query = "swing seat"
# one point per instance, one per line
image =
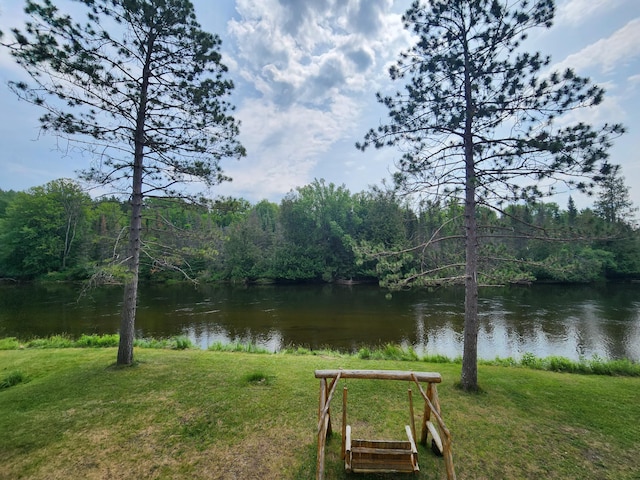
(380, 456)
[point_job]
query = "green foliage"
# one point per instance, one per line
(318, 223)
(575, 265)
(42, 228)
(153, 343)
(388, 243)
(97, 341)
(237, 347)
(9, 343)
(594, 366)
(13, 378)
(182, 343)
(54, 341)
(388, 352)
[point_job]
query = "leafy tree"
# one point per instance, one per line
(477, 120)
(42, 229)
(250, 248)
(109, 219)
(6, 197)
(141, 86)
(228, 210)
(319, 220)
(382, 228)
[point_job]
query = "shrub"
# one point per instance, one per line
(364, 353)
(9, 343)
(182, 343)
(13, 378)
(97, 341)
(54, 341)
(561, 364)
(529, 360)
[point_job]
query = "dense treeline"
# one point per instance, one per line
(319, 232)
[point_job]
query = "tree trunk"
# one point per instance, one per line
(127, 322)
(469, 378)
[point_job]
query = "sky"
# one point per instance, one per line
(306, 73)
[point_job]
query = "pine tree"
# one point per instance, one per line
(141, 86)
(477, 120)
(614, 204)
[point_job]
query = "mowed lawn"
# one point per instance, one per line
(200, 414)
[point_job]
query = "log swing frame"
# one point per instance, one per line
(381, 455)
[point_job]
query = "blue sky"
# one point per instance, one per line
(306, 73)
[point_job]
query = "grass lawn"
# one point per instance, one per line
(202, 414)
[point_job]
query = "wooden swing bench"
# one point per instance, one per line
(380, 456)
(383, 456)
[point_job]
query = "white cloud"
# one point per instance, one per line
(315, 66)
(575, 12)
(620, 48)
(300, 51)
(284, 145)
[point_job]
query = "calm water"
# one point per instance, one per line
(573, 322)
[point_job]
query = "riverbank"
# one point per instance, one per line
(205, 414)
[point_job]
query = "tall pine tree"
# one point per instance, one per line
(141, 86)
(477, 120)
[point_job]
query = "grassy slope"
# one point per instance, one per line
(199, 414)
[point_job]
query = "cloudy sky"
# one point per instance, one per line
(306, 73)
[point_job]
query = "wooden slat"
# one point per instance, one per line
(347, 440)
(414, 449)
(373, 467)
(381, 451)
(436, 436)
(388, 456)
(432, 377)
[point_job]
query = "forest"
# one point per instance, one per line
(317, 233)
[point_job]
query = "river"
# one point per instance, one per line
(570, 321)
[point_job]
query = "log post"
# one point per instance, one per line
(344, 420)
(426, 417)
(412, 415)
(321, 430)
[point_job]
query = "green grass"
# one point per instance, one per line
(208, 414)
(595, 365)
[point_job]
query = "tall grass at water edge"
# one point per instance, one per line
(94, 341)
(593, 366)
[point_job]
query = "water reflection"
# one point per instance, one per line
(572, 322)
